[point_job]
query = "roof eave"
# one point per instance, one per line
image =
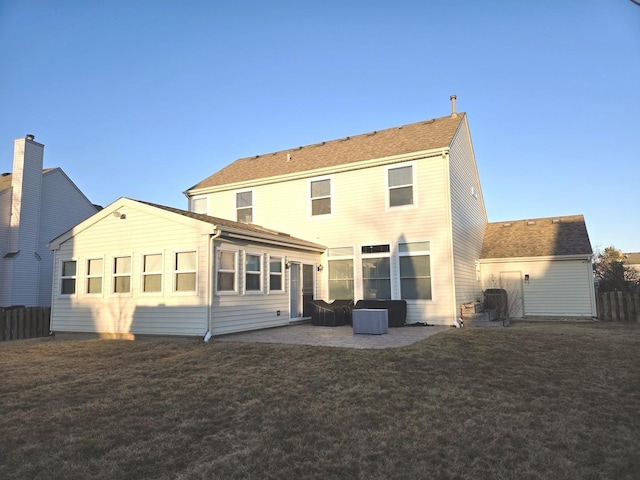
(582, 256)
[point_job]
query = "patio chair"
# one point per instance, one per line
(333, 314)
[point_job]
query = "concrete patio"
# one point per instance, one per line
(307, 334)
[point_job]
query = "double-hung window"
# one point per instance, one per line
(275, 274)
(122, 275)
(244, 206)
(320, 197)
(68, 277)
(400, 183)
(253, 273)
(94, 276)
(340, 262)
(199, 205)
(152, 273)
(184, 272)
(226, 271)
(376, 272)
(415, 270)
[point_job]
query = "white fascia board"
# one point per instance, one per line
(273, 240)
(345, 167)
(535, 259)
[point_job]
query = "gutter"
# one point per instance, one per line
(583, 256)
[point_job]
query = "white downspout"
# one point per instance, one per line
(210, 274)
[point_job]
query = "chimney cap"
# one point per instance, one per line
(31, 136)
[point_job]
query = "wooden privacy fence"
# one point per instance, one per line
(619, 307)
(24, 322)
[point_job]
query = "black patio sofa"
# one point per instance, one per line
(332, 314)
(397, 310)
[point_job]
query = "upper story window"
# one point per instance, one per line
(244, 206)
(253, 273)
(122, 275)
(152, 273)
(94, 276)
(68, 277)
(400, 183)
(200, 205)
(415, 270)
(320, 197)
(184, 272)
(226, 271)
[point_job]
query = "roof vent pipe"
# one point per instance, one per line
(453, 106)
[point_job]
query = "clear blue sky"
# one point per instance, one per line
(144, 99)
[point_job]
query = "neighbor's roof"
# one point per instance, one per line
(632, 258)
(415, 137)
(5, 178)
(230, 225)
(538, 237)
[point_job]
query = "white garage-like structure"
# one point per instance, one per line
(544, 265)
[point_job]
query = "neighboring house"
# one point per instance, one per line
(35, 206)
(138, 268)
(632, 260)
(400, 210)
(544, 264)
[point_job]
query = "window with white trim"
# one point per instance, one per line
(415, 270)
(94, 276)
(253, 273)
(244, 206)
(122, 275)
(276, 284)
(226, 264)
(184, 272)
(320, 197)
(376, 272)
(341, 279)
(152, 273)
(400, 183)
(200, 205)
(68, 277)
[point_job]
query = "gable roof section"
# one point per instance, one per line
(422, 136)
(208, 224)
(539, 237)
(231, 228)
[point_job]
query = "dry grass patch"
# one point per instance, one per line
(530, 401)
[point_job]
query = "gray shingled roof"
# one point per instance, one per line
(537, 237)
(415, 137)
(223, 224)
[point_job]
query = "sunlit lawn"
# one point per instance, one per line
(557, 401)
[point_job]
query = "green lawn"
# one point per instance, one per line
(548, 400)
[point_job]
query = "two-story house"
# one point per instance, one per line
(390, 214)
(36, 205)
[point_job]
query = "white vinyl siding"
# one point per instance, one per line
(555, 287)
(362, 216)
(468, 216)
(137, 312)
